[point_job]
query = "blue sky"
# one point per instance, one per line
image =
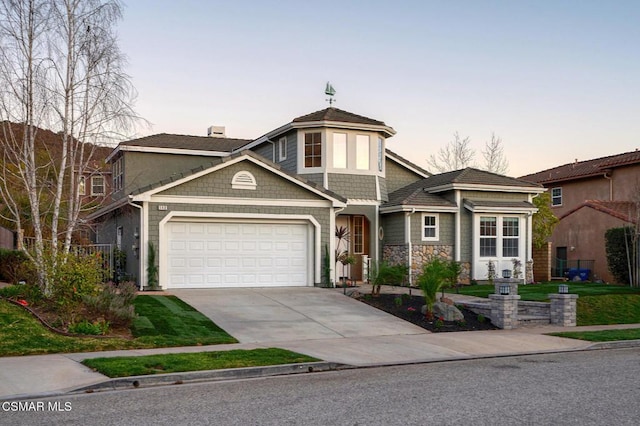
(556, 80)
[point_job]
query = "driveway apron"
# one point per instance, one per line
(260, 315)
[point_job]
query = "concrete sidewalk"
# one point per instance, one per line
(373, 344)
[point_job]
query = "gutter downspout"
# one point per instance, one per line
(608, 177)
(141, 249)
(407, 239)
(273, 149)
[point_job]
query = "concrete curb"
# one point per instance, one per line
(134, 382)
(615, 344)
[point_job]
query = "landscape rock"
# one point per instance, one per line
(447, 312)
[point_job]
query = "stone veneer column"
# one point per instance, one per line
(504, 310)
(563, 309)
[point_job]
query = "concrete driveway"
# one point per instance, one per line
(260, 315)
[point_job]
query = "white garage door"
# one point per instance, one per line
(219, 254)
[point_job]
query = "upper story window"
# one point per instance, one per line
(380, 154)
(362, 152)
(340, 150)
(82, 185)
(282, 149)
(118, 171)
(313, 149)
(97, 185)
(430, 227)
(556, 197)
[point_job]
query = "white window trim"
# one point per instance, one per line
(92, 185)
(323, 150)
(243, 180)
(552, 197)
(282, 149)
(437, 227)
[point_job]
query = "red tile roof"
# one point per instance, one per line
(623, 210)
(583, 169)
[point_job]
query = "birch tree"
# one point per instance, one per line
(61, 70)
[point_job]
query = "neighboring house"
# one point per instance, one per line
(590, 197)
(225, 212)
(92, 173)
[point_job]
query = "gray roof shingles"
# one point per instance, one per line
(196, 143)
(335, 114)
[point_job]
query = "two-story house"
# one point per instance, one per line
(590, 197)
(224, 212)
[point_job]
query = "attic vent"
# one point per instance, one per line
(243, 180)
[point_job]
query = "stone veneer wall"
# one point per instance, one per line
(421, 254)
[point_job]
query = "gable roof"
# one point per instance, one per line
(169, 143)
(475, 177)
(218, 163)
(623, 210)
(584, 169)
(335, 114)
(415, 196)
(406, 163)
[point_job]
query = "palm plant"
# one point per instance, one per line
(432, 278)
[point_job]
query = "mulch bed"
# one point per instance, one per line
(410, 311)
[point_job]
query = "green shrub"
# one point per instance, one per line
(29, 292)
(405, 298)
(381, 273)
(95, 328)
(14, 266)
(73, 278)
(115, 304)
(619, 243)
(398, 301)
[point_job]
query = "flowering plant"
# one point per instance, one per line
(23, 302)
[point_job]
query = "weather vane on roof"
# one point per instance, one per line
(330, 91)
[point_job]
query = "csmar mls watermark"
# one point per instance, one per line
(58, 406)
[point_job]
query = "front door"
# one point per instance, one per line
(561, 262)
(359, 244)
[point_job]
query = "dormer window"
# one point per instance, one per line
(243, 180)
(313, 149)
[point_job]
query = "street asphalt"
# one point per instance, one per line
(317, 322)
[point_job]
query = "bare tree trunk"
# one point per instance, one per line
(63, 71)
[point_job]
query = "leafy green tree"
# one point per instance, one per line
(544, 221)
(620, 243)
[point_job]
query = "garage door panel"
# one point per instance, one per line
(220, 254)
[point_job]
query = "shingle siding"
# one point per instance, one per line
(218, 184)
(146, 168)
(361, 187)
(393, 226)
(446, 229)
(397, 176)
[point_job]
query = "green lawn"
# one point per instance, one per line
(603, 335)
(597, 303)
(174, 363)
(540, 292)
(163, 321)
